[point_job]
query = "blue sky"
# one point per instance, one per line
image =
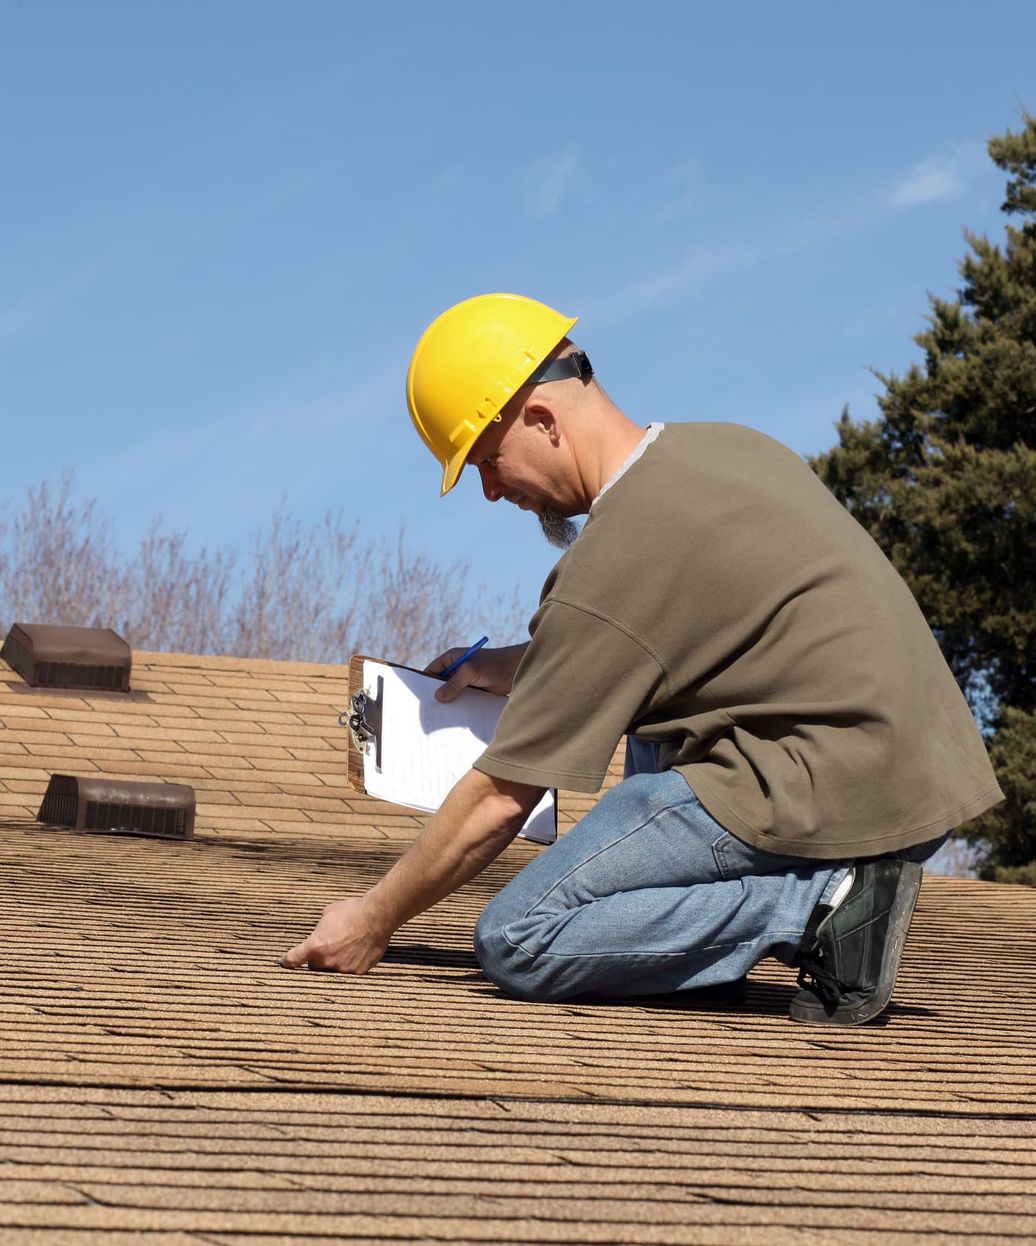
(226, 224)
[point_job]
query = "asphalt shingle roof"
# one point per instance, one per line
(163, 1080)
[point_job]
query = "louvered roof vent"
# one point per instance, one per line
(101, 805)
(95, 658)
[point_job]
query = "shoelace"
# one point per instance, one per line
(815, 975)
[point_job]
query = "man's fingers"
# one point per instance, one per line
(297, 957)
(439, 664)
(466, 676)
(461, 678)
(453, 687)
(342, 940)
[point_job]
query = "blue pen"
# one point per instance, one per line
(464, 657)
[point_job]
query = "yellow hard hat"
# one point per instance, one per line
(469, 362)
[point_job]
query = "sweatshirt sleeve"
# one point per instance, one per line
(580, 686)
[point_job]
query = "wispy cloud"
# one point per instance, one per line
(554, 182)
(226, 467)
(22, 316)
(678, 205)
(30, 313)
(704, 264)
(936, 177)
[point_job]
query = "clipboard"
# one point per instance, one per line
(425, 764)
(364, 717)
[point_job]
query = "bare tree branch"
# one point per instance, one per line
(309, 593)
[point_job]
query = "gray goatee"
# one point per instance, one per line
(557, 529)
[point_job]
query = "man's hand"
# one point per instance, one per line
(490, 669)
(477, 820)
(344, 939)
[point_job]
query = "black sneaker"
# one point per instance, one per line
(849, 955)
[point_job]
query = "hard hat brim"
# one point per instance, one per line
(452, 470)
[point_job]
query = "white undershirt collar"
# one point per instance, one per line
(650, 434)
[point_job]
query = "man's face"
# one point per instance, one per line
(515, 462)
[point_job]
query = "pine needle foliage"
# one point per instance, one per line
(945, 482)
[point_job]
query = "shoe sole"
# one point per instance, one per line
(811, 1011)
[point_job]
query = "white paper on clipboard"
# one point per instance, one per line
(427, 746)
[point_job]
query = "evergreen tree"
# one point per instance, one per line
(945, 481)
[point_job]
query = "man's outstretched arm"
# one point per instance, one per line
(477, 820)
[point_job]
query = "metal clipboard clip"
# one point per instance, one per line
(363, 718)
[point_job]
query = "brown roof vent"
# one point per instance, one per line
(162, 810)
(68, 657)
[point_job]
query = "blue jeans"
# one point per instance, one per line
(647, 894)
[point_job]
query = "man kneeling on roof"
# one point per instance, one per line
(796, 743)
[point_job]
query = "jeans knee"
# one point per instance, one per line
(510, 967)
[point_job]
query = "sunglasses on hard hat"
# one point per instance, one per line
(576, 365)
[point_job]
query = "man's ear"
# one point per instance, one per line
(540, 414)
